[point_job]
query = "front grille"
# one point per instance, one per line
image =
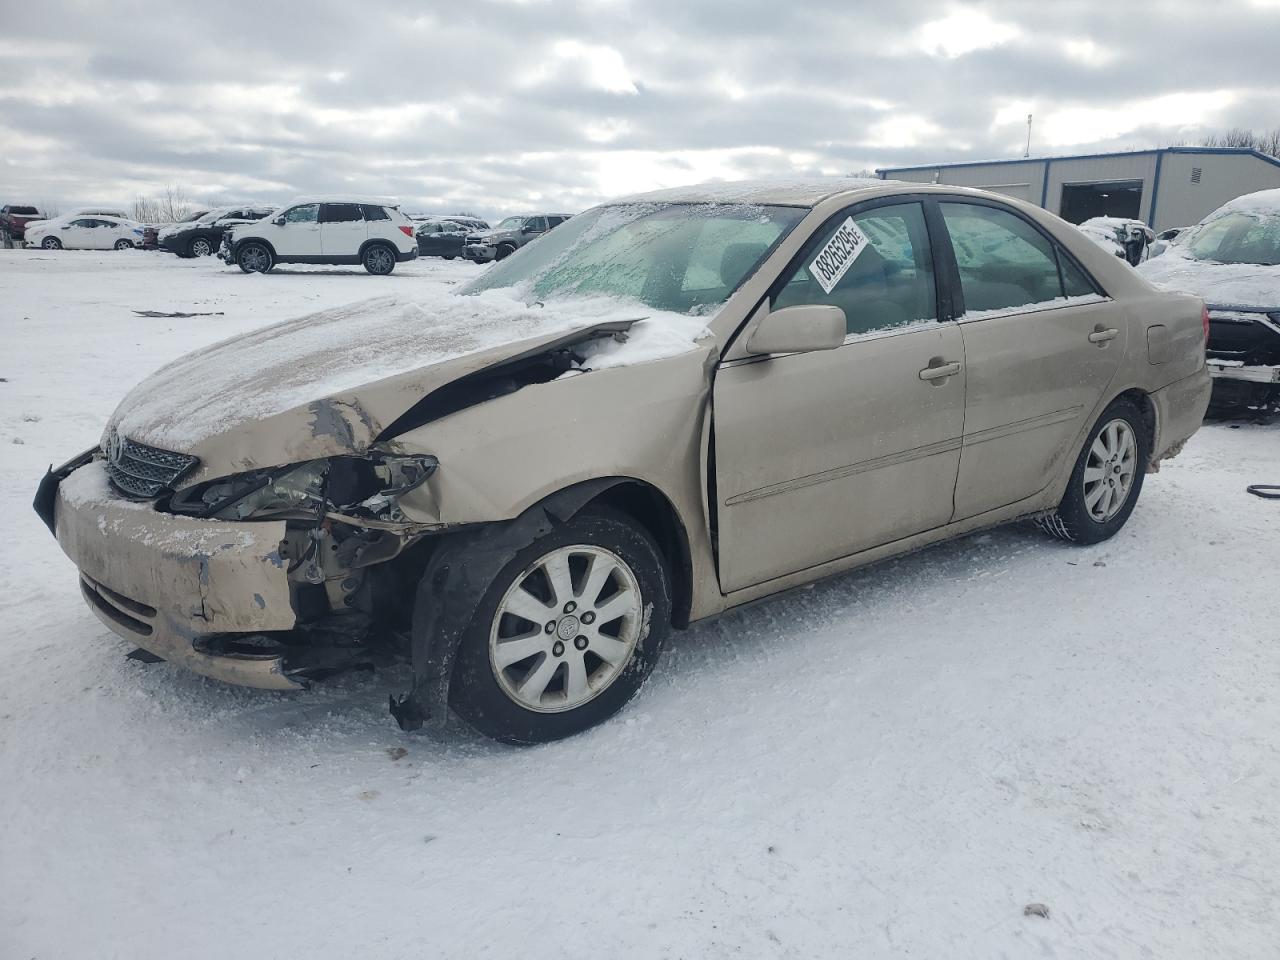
(142, 471)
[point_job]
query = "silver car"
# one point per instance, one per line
(673, 405)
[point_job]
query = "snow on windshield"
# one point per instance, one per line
(288, 365)
(684, 258)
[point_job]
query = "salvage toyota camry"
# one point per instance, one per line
(669, 406)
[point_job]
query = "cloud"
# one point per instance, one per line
(508, 106)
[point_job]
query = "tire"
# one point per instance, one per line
(200, 247)
(504, 250)
(51, 243)
(1111, 465)
(448, 256)
(123, 244)
(254, 257)
(486, 686)
(379, 259)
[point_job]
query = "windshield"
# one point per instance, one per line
(685, 258)
(1238, 238)
(511, 223)
(212, 215)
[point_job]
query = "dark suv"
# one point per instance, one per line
(510, 235)
(203, 236)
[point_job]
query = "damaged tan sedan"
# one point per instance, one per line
(671, 405)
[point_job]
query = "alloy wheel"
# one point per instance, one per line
(1109, 471)
(200, 247)
(379, 260)
(255, 259)
(566, 628)
(51, 243)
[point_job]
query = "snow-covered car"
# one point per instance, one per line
(674, 404)
(1232, 260)
(75, 231)
(1165, 238)
(151, 231)
(334, 230)
(1128, 239)
(438, 237)
(203, 236)
(509, 236)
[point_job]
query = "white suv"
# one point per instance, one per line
(341, 229)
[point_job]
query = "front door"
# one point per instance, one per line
(80, 234)
(821, 455)
(342, 229)
(1042, 346)
(299, 236)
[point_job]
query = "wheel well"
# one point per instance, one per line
(650, 508)
(265, 243)
(1143, 402)
(377, 242)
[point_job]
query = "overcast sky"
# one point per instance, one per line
(500, 106)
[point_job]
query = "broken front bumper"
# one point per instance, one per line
(174, 585)
(1235, 370)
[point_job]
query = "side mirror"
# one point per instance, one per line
(799, 329)
(278, 221)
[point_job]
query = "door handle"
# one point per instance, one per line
(1102, 334)
(939, 370)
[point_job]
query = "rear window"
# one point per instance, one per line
(372, 212)
(24, 211)
(340, 212)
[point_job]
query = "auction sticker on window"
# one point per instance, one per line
(834, 259)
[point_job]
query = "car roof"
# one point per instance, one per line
(791, 192)
(344, 198)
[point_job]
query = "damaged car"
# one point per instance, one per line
(1232, 260)
(674, 404)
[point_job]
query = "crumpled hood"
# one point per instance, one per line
(1219, 284)
(329, 383)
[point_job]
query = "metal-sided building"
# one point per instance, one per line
(1170, 187)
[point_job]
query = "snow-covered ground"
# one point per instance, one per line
(892, 763)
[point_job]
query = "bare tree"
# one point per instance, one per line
(1267, 142)
(168, 207)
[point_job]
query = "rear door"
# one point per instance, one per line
(1041, 343)
(342, 229)
(821, 455)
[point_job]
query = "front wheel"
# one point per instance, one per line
(201, 247)
(51, 243)
(254, 258)
(1107, 478)
(566, 633)
(379, 260)
(504, 250)
(123, 244)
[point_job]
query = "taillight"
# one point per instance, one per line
(408, 232)
(1204, 319)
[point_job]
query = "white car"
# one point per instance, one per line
(1232, 260)
(75, 231)
(366, 230)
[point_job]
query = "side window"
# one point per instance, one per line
(535, 224)
(340, 213)
(374, 212)
(1004, 261)
(1075, 282)
(84, 222)
(303, 214)
(878, 270)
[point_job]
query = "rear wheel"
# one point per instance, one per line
(379, 259)
(253, 257)
(1106, 480)
(566, 633)
(51, 243)
(201, 247)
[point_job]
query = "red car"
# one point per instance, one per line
(14, 220)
